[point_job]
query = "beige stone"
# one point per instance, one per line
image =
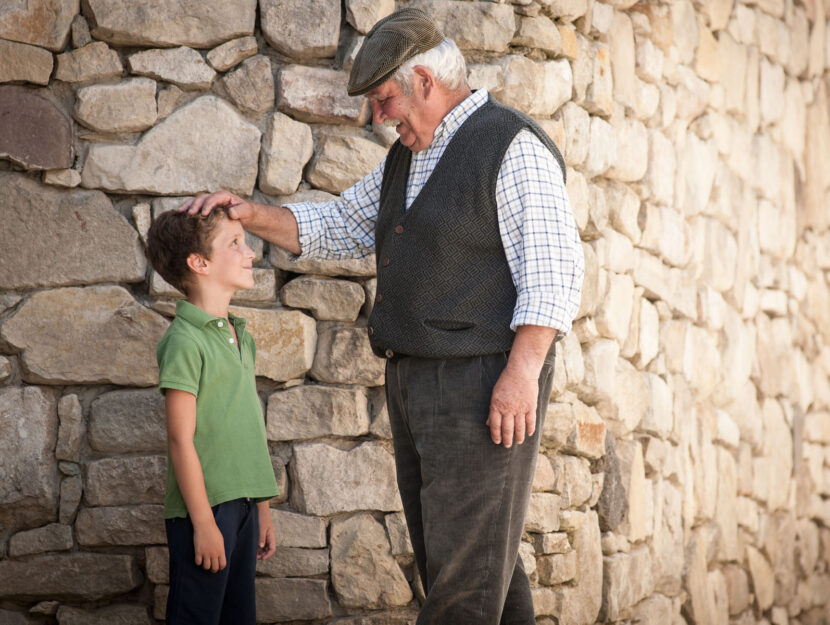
(363, 14)
(43, 23)
(344, 356)
(112, 337)
(340, 161)
(224, 158)
(364, 572)
(286, 148)
(22, 62)
(171, 23)
(108, 615)
(580, 603)
(708, 60)
(602, 149)
(557, 568)
(577, 130)
(543, 513)
(631, 162)
(285, 26)
(306, 411)
(70, 499)
(68, 178)
(281, 259)
(182, 66)
(648, 60)
(627, 579)
(763, 579)
(326, 480)
(599, 93)
(327, 299)
(614, 312)
(621, 42)
(120, 525)
(231, 53)
(538, 32)
(251, 85)
(295, 562)
(298, 530)
(662, 166)
(126, 481)
(477, 26)
(72, 429)
(316, 94)
(128, 106)
(93, 62)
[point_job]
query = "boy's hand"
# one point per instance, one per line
(267, 538)
(238, 208)
(210, 547)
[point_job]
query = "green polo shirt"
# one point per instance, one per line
(198, 354)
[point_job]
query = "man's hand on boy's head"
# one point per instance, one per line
(206, 202)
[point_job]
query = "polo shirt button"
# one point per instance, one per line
(378, 297)
(230, 340)
(389, 353)
(398, 229)
(221, 324)
(371, 330)
(386, 262)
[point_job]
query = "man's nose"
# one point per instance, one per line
(377, 112)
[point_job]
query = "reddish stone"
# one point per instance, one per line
(34, 133)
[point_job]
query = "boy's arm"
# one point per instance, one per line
(180, 407)
(267, 538)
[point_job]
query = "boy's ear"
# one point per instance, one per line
(197, 263)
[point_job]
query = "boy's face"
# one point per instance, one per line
(230, 263)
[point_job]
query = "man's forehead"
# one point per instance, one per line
(383, 90)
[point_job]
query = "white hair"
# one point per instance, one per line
(445, 61)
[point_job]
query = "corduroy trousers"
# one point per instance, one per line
(464, 497)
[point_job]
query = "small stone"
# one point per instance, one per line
(363, 14)
(327, 299)
(121, 525)
(708, 61)
(398, 534)
(184, 67)
(317, 94)
(632, 151)
(552, 542)
(109, 615)
(231, 53)
(251, 86)
(627, 579)
(557, 568)
(70, 499)
(763, 578)
(308, 411)
(168, 99)
(543, 513)
(281, 259)
(577, 132)
(295, 562)
(340, 161)
(292, 599)
(599, 93)
(344, 356)
(298, 530)
(71, 430)
(68, 178)
(263, 291)
(36, 133)
(94, 62)
(22, 62)
(602, 148)
(48, 608)
(285, 25)
(567, 10)
(286, 148)
(53, 537)
(128, 106)
(80, 32)
(43, 23)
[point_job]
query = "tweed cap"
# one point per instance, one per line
(392, 42)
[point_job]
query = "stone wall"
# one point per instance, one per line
(685, 465)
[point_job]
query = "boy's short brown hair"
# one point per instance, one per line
(173, 236)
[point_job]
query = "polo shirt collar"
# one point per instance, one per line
(199, 318)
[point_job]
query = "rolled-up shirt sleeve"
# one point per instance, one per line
(344, 227)
(539, 234)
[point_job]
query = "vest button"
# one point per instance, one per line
(371, 330)
(378, 297)
(389, 353)
(398, 229)
(386, 262)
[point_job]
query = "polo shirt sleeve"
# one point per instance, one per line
(180, 364)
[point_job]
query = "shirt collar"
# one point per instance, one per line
(199, 318)
(459, 114)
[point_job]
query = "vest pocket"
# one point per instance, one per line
(448, 324)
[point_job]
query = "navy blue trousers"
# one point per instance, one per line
(227, 597)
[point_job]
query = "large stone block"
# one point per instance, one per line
(193, 23)
(311, 411)
(127, 421)
(285, 341)
(111, 338)
(125, 481)
(478, 25)
(627, 579)
(122, 525)
(340, 161)
(28, 431)
(123, 614)
(328, 300)
(298, 530)
(64, 237)
(95, 61)
(286, 148)
(363, 14)
(52, 537)
(326, 480)
(177, 158)
(22, 62)
(364, 572)
(34, 133)
(344, 356)
(44, 23)
(127, 106)
(75, 577)
(317, 94)
(292, 600)
(301, 29)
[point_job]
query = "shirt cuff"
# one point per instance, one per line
(536, 310)
(306, 215)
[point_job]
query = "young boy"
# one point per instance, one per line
(219, 475)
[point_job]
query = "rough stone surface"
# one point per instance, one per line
(292, 599)
(340, 161)
(348, 267)
(125, 481)
(478, 26)
(364, 572)
(363, 14)
(231, 53)
(43, 23)
(121, 525)
(95, 61)
(286, 148)
(36, 134)
(344, 356)
(225, 157)
(191, 23)
(128, 421)
(72, 429)
(328, 300)
(52, 537)
(627, 579)
(295, 562)
(297, 530)
(251, 86)
(71, 489)
(129, 106)
(110, 615)
(308, 411)
(184, 67)
(22, 62)
(112, 337)
(327, 480)
(316, 94)
(285, 26)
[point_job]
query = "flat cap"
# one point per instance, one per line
(392, 42)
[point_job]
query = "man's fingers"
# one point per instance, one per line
(530, 422)
(520, 429)
(507, 427)
(494, 422)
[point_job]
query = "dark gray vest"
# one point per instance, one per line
(444, 287)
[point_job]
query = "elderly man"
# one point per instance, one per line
(479, 266)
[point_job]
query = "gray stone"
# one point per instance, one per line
(291, 600)
(28, 430)
(168, 99)
(66, 237)
(295, 562)
(557, 568)
(478, 25)
(298, 530)
(95, 61)
(122, 525)
(53, 537)
(231, 53)
(184, 67)
(327, 299)
(579, 604)
(326, 480)
(627, 579)
(612, 506)
(22, 62)
(157, 564)
(112, 337)
(340, 161)
(128, 106)
(72, 429)
(75, 576)
(80, 32)
(68, 178)
(310, 411)
(285, 26)
(197, 24)
(363, 14)
(123, 614)
(398, 533)
(285, 341)
(364, 572)
(317, 94)
(126, 481)
(36, 134)
(224, 158)
(43, 23)
(365, 266)
(71, 490)
(344, 356)
(286, 148)
(251, 86)
(128, 421)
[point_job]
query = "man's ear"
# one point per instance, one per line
(424, 79)
(197, 263)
